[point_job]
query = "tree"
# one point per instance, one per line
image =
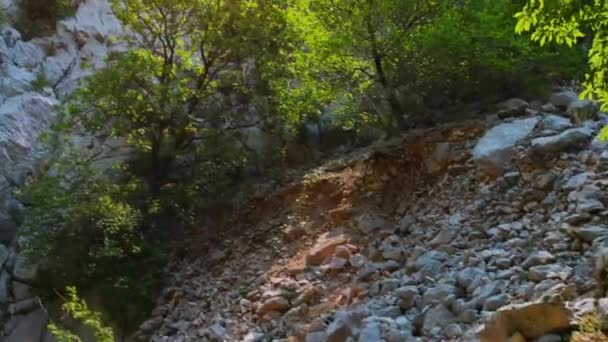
(355, 45)
(568, 22)
(177, 97)
(161, 95)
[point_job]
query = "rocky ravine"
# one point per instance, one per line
(420, 239)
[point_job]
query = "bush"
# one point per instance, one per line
(78, 309)
(473, 53)
(38, 18)
(40, 82)
(85, 230)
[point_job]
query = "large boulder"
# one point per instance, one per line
(496, 147)
(25, 269)
(569, 140)
(583, 110)
(525, 319)
(512, 107)
(563, 99)
(553, 122)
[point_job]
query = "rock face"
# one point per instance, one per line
(34, 76)
(497, 145)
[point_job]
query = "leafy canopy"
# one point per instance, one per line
(568, 22)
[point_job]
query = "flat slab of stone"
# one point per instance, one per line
(569, 140)
(496, 147)
(532, 320)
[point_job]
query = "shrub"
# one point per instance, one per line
(40, 82)
(39, 17)
(473, 53)
(79, 310)
(82, 226)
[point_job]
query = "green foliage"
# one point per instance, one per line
(40, 82)
(170, 100)
(568, 22)
(349, 49)
(38, 18)
(79, 310)
(472, 53)
(378, 61)
(87, 230)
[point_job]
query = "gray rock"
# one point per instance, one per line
(369, 223)
(582, 110)
(357, 260)
(444, 237)
(30, 328)
(371, 332)
(569, 140)
(551, 271)
(512, 107)
(21, 291)
(392, 248)
(390, 312)
(576, 181)
(453, 331)
(496, 147)
(483, 293)
(439, 294)
(555, 123)
(589, 234)
(545, 180)
(539, 258)
(4, 254)
(468, 276)
(563, 99)
(588, 199)
(549, 108)
(217, 332)
(438, 316)
(25, 270)
(495, 302)
(407, 296)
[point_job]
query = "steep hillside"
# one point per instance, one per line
(412, 239)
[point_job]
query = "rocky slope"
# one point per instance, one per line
(424, 238)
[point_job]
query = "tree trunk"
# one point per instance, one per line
(158, 169)
(389, 94)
